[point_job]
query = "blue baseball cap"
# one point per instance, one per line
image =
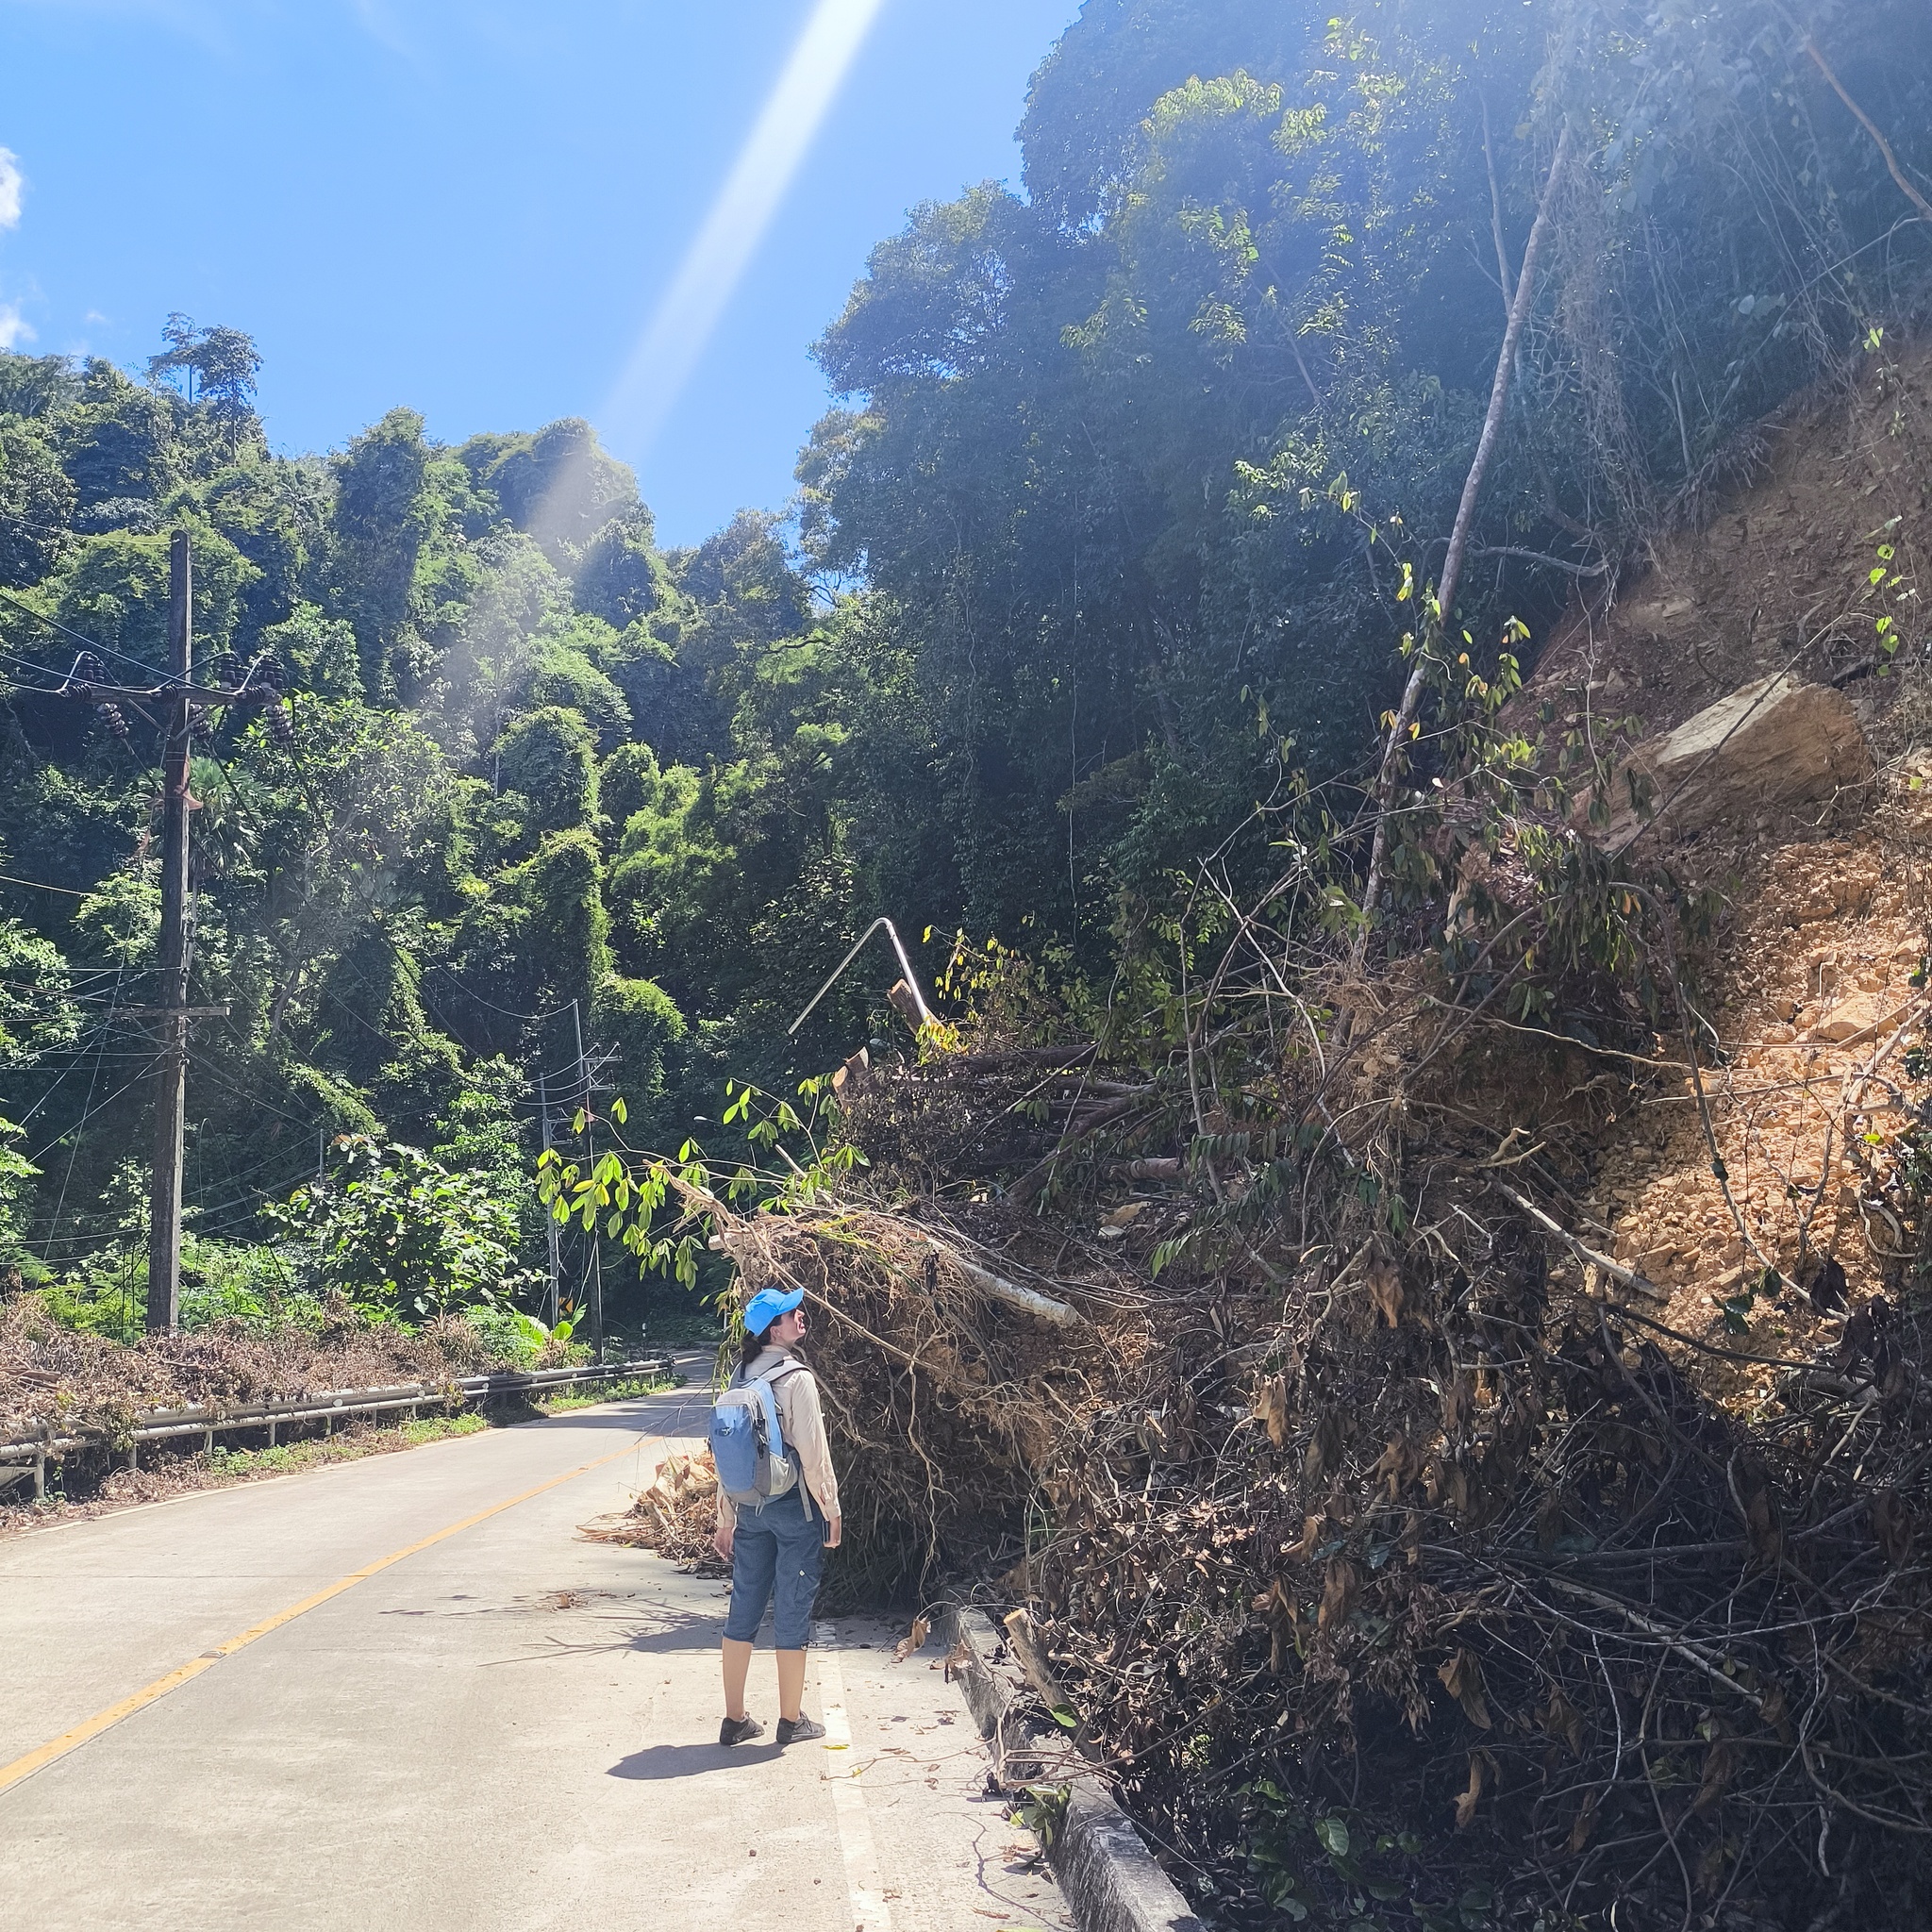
(766, 1306)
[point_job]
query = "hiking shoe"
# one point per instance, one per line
(742, 1730)
(798, 1730)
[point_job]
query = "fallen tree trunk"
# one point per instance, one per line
(1029, 1301)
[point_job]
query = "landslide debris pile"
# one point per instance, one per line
(947, 1384)
(675, 1518)
(1397, 1564)
(1488, 1481)
(55, 1379)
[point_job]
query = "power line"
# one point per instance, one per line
(73, 1150)
(28, 665)
(254, 1195)
(90, 972)
(79, 1053)
(213, 1069)
(506, 1011)
(167, 677)
(88, 1116)
(41, 885)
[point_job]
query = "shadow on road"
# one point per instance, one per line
(688, 1760)
(674, 1633)
(642, 1414)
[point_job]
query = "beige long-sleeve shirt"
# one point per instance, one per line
(802, 1423)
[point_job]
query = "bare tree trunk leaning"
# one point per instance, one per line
(1459, 539)
(1871, 127)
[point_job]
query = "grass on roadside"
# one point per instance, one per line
(607, 1391)
(118, 1488)
(229, 1465)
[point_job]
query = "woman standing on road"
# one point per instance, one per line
(776, 1547)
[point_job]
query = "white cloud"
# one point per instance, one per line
(11, 182)
(14, 328)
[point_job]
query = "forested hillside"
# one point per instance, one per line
(1111, 536)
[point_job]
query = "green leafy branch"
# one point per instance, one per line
(622, 1192)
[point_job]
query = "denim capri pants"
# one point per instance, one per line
(777, 1554)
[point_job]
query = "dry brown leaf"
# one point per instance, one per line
(1271, 1409)
(1466, 1800)
(1891, 1523)
(1311, 1535)
(1462, 1677)
(1761, 1526)
(1324, 1450)
(1710, 1867)
(1561, 1719)
(1122, 1216)
(1338, 1587)
(1284, 1614)
(1585, 1824)
(1720, 1762)
(1446, 1485)
(1549, 1520)
(1397, 1465)
(913, 1640)
(1385, 1289)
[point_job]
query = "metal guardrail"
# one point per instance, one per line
(337, 1405)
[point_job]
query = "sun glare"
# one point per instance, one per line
(671, 346)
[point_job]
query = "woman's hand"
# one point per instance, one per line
(835, 1528)
(720, 1542)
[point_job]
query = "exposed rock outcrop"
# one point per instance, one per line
(1772, 746)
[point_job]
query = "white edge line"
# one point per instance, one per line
(870, 1912)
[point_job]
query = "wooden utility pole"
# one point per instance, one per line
(171, 1076)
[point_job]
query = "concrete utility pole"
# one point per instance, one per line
(595, 1282)
(549, 1218)
(164, 1220)
(172, 711)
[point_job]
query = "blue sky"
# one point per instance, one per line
(480, 209)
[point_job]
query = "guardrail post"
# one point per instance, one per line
(40, 1477)
(133, 1458)
(208, 1444)
(270, 1432)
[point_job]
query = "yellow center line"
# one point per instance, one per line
(11, 1774)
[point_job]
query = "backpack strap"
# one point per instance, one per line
(767, 1381)
(783, 1367)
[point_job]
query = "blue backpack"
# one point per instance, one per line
(747, 1441)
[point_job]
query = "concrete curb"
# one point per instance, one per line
(1109, 1877)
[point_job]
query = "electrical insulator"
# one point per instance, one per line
(110, 716)
(281, 726)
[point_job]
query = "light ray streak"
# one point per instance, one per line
(715, 262)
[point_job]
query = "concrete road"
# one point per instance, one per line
(473, 1718)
